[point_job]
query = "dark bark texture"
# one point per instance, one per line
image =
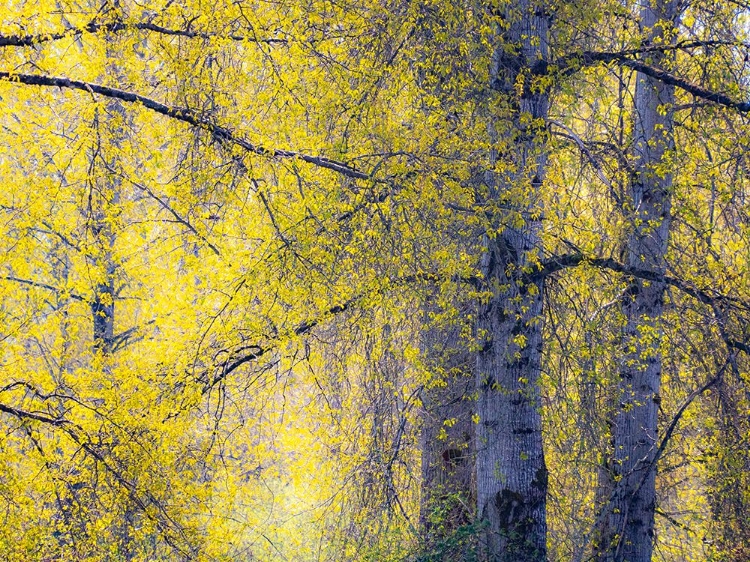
(448, 456)
(511, 471)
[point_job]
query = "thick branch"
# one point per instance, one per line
(24, 415)
(41, 286)
(712, 299)
(113, 27)
(568, 62)
(738, 345)
(558, 263)
(186, 116)
(572, 63)
(685, 85)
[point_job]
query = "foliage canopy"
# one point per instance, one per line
(226, 227)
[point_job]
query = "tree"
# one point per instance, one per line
(630, 531)
(511, 472)
(447, 439)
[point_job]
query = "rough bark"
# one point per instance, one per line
(100, 209)
(630, 521)
(447, 440)
(511, 471)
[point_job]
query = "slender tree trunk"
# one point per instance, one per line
(103, 304)
(447, 441)
(630, 525)
(730, 477)
(511, 471)
(102, 204)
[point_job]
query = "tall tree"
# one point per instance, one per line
(511, 473)
(635, 428)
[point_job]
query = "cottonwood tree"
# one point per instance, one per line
(512, 476)
(630, 526)
(634, 539)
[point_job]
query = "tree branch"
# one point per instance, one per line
(172, 212)
(42, 286)
(116, 26)
(170, 530)
(676, 419)
(185, 115)
(570, 134)
(710, 298)
(566, 61)
(572, 63)
(248, 353)
(558, 263)
(24, 415)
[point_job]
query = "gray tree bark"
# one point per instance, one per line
(630, 521)
(105, 187)
(511, 471)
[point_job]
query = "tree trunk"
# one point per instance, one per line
(730, 476)
(103, 304)
(511, 471)
(447, 439)
(630, 525)
(102, 205)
